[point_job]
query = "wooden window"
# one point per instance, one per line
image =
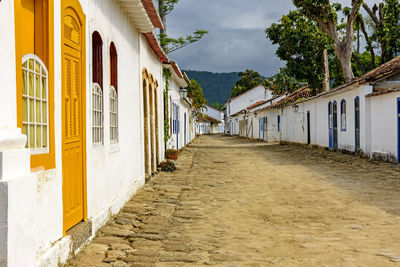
(97, 114)
(343, 114)
(34, 53)
(97, 89)
(35, 107)
(113, 115)
(113, 94)
(114, 66)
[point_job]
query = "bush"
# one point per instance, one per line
(167, 166)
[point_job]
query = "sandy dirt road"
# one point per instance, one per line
(235, 202)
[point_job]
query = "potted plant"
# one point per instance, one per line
(171, 154)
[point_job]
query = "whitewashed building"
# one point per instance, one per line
(238, 105)
(82, 125)
(182, 128)
(361, 117)
(211, 121)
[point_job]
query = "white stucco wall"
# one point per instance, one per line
(384, 125)
(246, 99)
(7, 66)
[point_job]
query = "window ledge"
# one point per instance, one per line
(114, 148)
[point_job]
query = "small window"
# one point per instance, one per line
(97, 114)
(113, 94)
(35, 106)
(113, 115)
(97, 92)
(343, 113)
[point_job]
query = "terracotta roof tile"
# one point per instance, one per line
(152, 13)
(385, 69)
(303, 92)
(155, 46)
(206, 118)
(259, 103)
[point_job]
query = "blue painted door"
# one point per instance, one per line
(185, 129)
(330, 124)
(398, 130)
(177, 126)
(260, 129)
(335, 125)
(357, 123)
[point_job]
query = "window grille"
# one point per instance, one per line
(35, 104)
(97, 115)
(113, 115)
(343, 115)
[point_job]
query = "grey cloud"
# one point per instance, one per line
(236, 40)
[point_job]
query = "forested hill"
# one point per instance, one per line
(217, 87)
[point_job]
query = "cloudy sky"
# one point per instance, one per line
(236, 41)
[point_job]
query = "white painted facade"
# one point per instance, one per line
(240, 103)
(180, 111)
(312, 120)
(31, 203)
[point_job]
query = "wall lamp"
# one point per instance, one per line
(183, 93)
(295, 108)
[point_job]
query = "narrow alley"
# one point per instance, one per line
(235, 202)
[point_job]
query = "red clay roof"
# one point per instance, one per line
(385, 69)
(152, 13)
(176, 69)
(384, 91)
(155, 46)
(206, 118)
(259, 103)
(303, 92)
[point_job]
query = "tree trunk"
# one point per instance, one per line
(163, 32)
(326, 81)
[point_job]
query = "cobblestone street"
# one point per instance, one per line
(234, 202)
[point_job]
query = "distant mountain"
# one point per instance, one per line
(217, 87)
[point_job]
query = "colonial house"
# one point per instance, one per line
(83, 120)
(214, 119)
(361, 117)
(238, 105)
(208, 125)
(181, 121)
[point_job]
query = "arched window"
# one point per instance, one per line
(343, 112)
(113, 94)
(35, 104)
(97, 89)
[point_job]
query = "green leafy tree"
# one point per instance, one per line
(248, 80)
(282, 82)
(169, 44)
(301, 44)
(196, 93)
(218, 106)
(386, 28)
(325, 15)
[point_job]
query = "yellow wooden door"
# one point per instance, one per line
(73, 112)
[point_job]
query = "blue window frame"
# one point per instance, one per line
(343, 115)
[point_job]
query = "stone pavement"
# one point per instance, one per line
(235, 202)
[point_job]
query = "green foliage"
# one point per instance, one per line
(301, 44)
(196, 93)
(166, 7)
(167, 76)
(387, 29)
(218, 106)
(217, 87)
(167, 166)
(282, 82)
(248, 80)
(172, 44)
(169, 44)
